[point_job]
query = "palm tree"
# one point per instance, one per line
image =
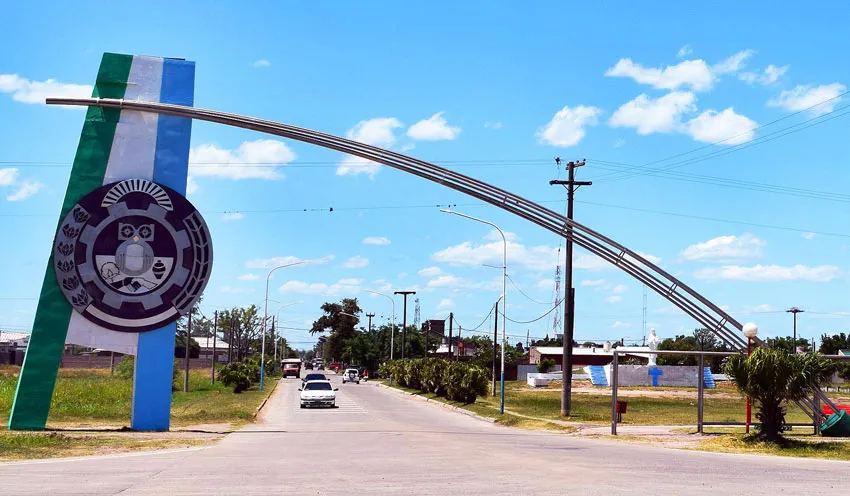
(773, 377)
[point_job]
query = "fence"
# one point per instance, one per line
(700, 390)
(104, 362)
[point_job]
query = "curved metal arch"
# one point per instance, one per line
(678, 293)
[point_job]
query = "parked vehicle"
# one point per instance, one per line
(291, 367)
(318, 393)
(351, 375)
(335, 367)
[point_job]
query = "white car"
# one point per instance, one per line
(351, 375)
(318, 393)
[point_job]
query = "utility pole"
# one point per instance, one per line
(459, 330)
(186, 358)
(795, 311)
(495, 338)
(370, 315)
(451, 321)
(404, 321)
(527, 336)
(215, 333)
(569, 293)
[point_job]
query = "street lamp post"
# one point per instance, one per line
(503, 297)
(750, 331)
(392, 330)
(266, 317)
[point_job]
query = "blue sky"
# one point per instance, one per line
(495, 90)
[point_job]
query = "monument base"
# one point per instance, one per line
(656, 376)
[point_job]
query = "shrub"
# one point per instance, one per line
(125, 368)
(457, 381)
(545, 365)
(772, 377)
(239, 375)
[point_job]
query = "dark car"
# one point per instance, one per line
(308, 366)
(314, 377)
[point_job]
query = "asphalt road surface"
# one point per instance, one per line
(380, 442)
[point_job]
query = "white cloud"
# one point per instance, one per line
(648, 257)
(268, 263)
(660, 115)
(402, 275)
(804, 96)
(770, 75)
(430, 272)
(534, 257)
(493, 124)
(356, 262)
(725, 248)
(248, 277)
(232, 290)
(376, 240)
(545, 284)
(726, 126)
(379, 131)
(693, 73)
(251, 160)
(769, 273)
(809, 235)
(8, 176)
(619, 143)
(733, 63)
(592, 283)
(25, 190)
(495, 236)
(191, 185)
(613, 298)
(261, 63)
(458, 283)
(619, 324)
(446, 304)
(232, 216)
(341, 287)
(684, 51)
(26, 91)
(434, 128)
(619, 289)
(567, 126)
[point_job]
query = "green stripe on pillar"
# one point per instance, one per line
(47, 342)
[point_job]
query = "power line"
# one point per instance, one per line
(523, 292)
(534, 320)
(751, 131)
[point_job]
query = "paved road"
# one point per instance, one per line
(381, 442)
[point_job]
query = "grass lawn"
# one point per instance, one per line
(803, 448)
(91, 397)
(29, 445)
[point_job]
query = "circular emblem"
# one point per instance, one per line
(133, 256)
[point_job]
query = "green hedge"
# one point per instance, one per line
(457, 381)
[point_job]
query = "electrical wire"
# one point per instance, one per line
(534, 320)
(523, 292)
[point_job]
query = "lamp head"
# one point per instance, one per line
(750, 330)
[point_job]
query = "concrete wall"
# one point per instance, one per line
(638, 375)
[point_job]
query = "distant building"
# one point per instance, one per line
(586, 356)
(222, 348)
(13, 345)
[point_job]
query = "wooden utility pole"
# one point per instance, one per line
(451, 321)
(404, 321)
(215, 332)
(569, 293)
(186, 359)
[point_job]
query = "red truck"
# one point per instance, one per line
(291, 367)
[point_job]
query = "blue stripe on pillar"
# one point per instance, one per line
(155, 358)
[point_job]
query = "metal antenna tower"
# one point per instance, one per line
(556, 318)
(644, 315)
(416, 313)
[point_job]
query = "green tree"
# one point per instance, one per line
(830, 344)
(787, 344)
(771, 378)
(180, 346)
(337, 327)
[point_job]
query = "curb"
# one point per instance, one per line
(266, 398)
(445, 406)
